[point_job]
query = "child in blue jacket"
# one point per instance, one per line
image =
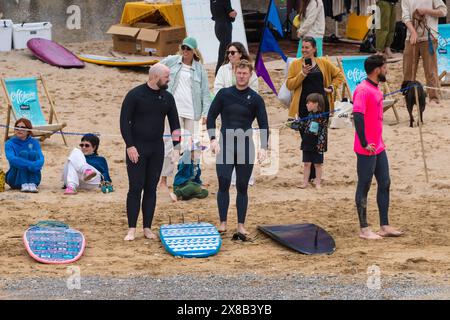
(84, 168)
(187, 183)
(25, 158)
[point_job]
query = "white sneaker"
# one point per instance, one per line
(25, 188)
(32, 188)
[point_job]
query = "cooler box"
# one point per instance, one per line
(25, 31)
(6, 35)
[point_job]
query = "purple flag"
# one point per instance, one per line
(261, 71)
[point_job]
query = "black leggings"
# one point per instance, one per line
(144, 175)
(367, 166)
(244, 168)
(223, 30)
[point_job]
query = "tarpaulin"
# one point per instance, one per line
(137, 11)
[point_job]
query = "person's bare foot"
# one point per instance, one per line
(388, 231)
(318, 184)
(222, 227)
(388, 53)
(303, 186)
(130, 235)
(241, 229)
(149, 234)
(368, 234)
(173, 197)
(434, 102)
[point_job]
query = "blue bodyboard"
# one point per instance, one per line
(190, 240)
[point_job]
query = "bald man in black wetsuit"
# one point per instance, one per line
(238, 106)
(142, 126)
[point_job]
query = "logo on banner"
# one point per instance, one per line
(442, 44)
(356, 75)
(22, 98)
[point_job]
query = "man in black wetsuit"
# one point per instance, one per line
(223, 15)
(142, 126)
(238, 106)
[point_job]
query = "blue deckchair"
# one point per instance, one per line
(444, 53)
(354, 73)
(23, 102)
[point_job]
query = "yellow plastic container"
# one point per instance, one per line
(357, 26)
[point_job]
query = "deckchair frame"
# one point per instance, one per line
(346, 92)
(47, 130)
(443, 75)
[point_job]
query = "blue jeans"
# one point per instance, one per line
(367, 167)
(15, 177)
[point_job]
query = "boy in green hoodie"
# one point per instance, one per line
(187, 183)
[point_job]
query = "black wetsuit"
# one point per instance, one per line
(142, 126)
(220, 10)
(237, 109)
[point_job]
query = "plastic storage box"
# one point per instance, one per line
(6, 35)
(26, 31)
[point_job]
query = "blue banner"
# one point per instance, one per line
(443, 48)
(270, 44)
(354, 71)
(274, 18)
(25, 100)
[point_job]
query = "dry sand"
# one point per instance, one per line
(89, 100)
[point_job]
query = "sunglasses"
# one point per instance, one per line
(183, 47)
(232, 52)
(85, 145)
(20, 127)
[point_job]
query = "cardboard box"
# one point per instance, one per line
(161, 42)
(124, 38)
(145, 25)
(147, 39)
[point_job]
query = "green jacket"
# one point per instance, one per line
(200, 88)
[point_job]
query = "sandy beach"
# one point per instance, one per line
(89, 100)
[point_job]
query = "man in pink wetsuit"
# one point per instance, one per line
(370, 149)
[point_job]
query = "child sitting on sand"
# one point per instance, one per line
(187, 183)
(84, 168)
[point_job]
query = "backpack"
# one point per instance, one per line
(369, 43)
(399, 36)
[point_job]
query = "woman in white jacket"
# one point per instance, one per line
(226, 78)
(312, 24)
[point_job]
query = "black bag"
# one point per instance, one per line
(369, 43)
(399, 36)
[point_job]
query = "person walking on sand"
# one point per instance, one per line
(142, 117)
(370, 149)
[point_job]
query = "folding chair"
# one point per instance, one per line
(354, 73)
(443, 54)
(23, 102)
